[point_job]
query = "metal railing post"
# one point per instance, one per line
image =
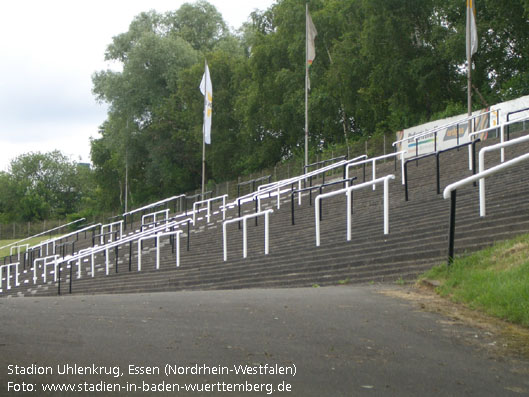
(59, 284)
(438, 174)
(349, 214)
(406, 180)
(452, 227)
(244, 238)
(267, 231)
(386, 206)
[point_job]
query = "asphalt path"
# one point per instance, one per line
(335, 341)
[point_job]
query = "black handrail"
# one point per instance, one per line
(437, 155)
(310, 189)
(199, 195)
(508, 115)
(104, 235)
(62, 247)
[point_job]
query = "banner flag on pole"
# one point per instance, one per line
(311, 36)
(472, 29)
(206, 89)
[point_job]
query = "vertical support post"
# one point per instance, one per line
(130, 256)
(107, 260)
(139, 254)
(299, 188)
(34, 272)
(406, 181)
(256, 210)
(292, 205)
(267, 229)
(452, 227)
(244, 238)
(177, 237)
(438, 173)
(502, 139)
(386, 206)
(158, 252)
(349, 215)
(188, 236)
(482, 209)
(374, 173)
(317, 219)
(59, 284)
(224, 242)
(239, 209)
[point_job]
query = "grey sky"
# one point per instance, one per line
(50, 49)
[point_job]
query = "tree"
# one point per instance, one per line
(40, 186)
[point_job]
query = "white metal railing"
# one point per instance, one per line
(244, 218)
(348, 191)
(154, 215)
(49, 260)
(157, 236)
(482, 152)
(502, 137)
(8, 275)
(18, 248)
(208, 202)
(299, 178)
(153, 205)
(484, 174)
(451, 190)
(54, 240)
(43, 233)
(110, 227)
(91, 252)
(276, 187)
(443, 127)
(373, 162)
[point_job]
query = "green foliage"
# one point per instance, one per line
(41, 186)
(495, 280)
(381, 66)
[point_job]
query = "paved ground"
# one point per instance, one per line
(338, 341)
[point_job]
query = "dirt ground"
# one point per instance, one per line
(498, 337)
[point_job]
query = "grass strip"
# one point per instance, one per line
(494, 280)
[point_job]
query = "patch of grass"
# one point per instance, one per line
(31, 242)
(494, 280)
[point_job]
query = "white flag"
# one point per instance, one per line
(207, 90)
(471, 12)
(311, 36)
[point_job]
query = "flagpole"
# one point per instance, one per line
(204, 133)
(306, 86)
(469, 72)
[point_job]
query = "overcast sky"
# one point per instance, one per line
(49, 51)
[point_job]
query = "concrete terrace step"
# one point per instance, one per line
(417, 239)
